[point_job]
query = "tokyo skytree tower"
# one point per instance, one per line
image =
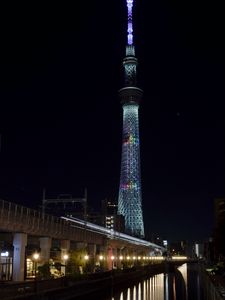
(130, 199)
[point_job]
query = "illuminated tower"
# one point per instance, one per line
(130, 199)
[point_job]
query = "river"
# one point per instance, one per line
(184, 284)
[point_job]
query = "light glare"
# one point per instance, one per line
(36, 256)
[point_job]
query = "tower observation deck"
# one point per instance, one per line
(130, 198)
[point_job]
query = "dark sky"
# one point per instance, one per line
(61, 119)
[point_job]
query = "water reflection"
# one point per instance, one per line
(171, 286)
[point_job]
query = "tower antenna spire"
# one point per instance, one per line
(130, 22)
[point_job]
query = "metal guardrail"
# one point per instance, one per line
(13, 290)
(65, 287)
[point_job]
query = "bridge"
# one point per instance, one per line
(22, 226)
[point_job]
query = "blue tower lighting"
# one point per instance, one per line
(130, 198)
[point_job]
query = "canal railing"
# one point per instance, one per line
(64, 287)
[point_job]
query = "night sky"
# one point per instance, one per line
(61, 118)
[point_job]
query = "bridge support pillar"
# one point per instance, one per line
(45, 245)
(102, 250)
(91, 248)
(115, 260)
(65, 247)
(19, 244)
(101, 258)
(81, 245)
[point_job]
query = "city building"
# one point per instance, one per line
(65, 205)
(219, 229)
(219, 209)
(199, 250)
(110, 218)
(180, 248)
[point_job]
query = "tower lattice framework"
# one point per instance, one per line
(130, 197)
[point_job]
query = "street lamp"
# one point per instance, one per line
(35, 258)
(86, 257)
(100, 263)
(65, 258)
(112, 260)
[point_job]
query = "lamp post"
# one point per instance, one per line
(120, 262)
(65, 259)
(112, 274)
(35, 259)
(112, 260)
(101, 263)
(86, 265)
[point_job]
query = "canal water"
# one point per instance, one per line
(183, 284)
